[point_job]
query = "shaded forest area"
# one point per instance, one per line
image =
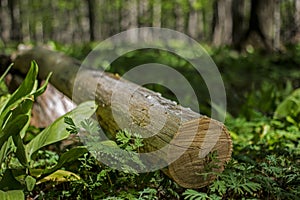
(268, 24)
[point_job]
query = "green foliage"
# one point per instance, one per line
(19, 170)
(129, 141)
(290, 108)
(124, 153)
(113, 184)
(266, 152)
(12, 194)
(263, 123)
(195, 195)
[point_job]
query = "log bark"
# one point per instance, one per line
(191, 138)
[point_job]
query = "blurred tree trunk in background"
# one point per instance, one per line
(156, 15)
(179, 17)
(47, 20)
(2, 24)
(239, 20)
(222, 26)
(195, 20)
(168, 15)
(296, 37)
(129, 15)
(15, 28)
(262, 25)
(92, 18)
(277, 24)
(144, 13)
(25, 20)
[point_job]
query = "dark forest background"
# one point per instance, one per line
(266, 24)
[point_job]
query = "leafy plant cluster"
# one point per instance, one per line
(265, 131)
(265, 163)
(101, 181)
(264, 126)
(24, 164)
(29, 169)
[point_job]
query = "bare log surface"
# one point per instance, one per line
(51, 105)
(47, 107)
(191, 139)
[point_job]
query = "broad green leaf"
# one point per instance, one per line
(27, 86)
(20, 152)
(30, 182)
(11, 109)
(290, 106)
(69, 156)
(36, 172)
(8, 181)
(24, 108)
(57, 130)
(4, 149)
(60, 176)
(13, 127)
(12, 195)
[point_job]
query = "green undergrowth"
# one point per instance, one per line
(242, 73)
(263, 118)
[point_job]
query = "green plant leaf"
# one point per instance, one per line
(289, 107)
(13, 127)
(195, 195)
(60, 176)
(8, 181)
(23, 107)
(27, 86)
(73, 129)
(30, 182)
(20, 152)
(4, 149)
(69, 156)
(57, 130)
(12, 195)
(22, 94)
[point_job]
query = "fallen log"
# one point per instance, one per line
(195, 143)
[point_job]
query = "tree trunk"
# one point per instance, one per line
(222, 34)
(15, 33)
(156, 15)
(195, 22)
(180, 129)
(261, 30)
(179, 17)
(144, 13)
(296, 37)
(129, 15)
(277, 25)
(91, 10)
(238, 21)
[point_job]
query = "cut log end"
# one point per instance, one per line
(207, 151)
